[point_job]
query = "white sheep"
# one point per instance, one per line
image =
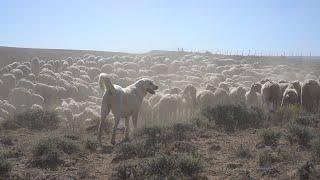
(35, 66)
(271, 95)
(237, 95)
(310, 95)
(290, 97)
(23, 83)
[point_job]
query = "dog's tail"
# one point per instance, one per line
(105, 83)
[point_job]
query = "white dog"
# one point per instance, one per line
(123, 102)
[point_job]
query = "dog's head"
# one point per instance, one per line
(147, 85)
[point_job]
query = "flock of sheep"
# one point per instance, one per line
(187, 83)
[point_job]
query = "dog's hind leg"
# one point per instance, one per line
(126, 136)
(116, 122)
(105, 109)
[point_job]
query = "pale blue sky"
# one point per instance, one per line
(143, 25)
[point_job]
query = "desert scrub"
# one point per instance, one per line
(150, 141)
(233, 117)
(267, 158)
(299, 134)
(161, 166)
(5, 165)
(34, 119)
(47, 152)
(315, 148)
(243, 151)
(182, 147)
(270, 137)
(287, 113)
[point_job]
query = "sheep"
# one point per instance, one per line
(160, 68)
(25, 84)
(37, 99)
(310, 95)
(290, 97)
(25, 69)
(93, 72)
(88, 113)
(35, 66)
(154, 99)
(271, 95)
(75, 71)
(205, 99)
(257, 87)
(297, 86)
(36, 107)
(65, 113)
(8, 107)
(47, 79)
(121, 72)
(237, 95)
(253, 98)
(224, 86)
(283, 86)
(8, 82)
(221, 97)
(211, 87)
(167, 108)
(145, 113)
(4, 114)
(20, 98)
(107, 68)
(31, 77)
(18, 73)
(49, 93)
(189, 100)
(174, 90)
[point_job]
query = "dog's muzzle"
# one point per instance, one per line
(152, 91)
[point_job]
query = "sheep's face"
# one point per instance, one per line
(147, 85)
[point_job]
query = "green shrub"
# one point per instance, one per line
(46, 153)
(183, 147)
(270, 137)
(288, 113)
(37, 119)
(315, 147)
(6, 140)
(300, 134)
(243, 151)
(267, 158)
(160, 166)
(233, 117)
(137, 148)
(180, 130)
(5, 165)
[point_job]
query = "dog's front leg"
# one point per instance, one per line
(113, 138)
(104, 112)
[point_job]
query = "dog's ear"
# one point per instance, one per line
(140, 83)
